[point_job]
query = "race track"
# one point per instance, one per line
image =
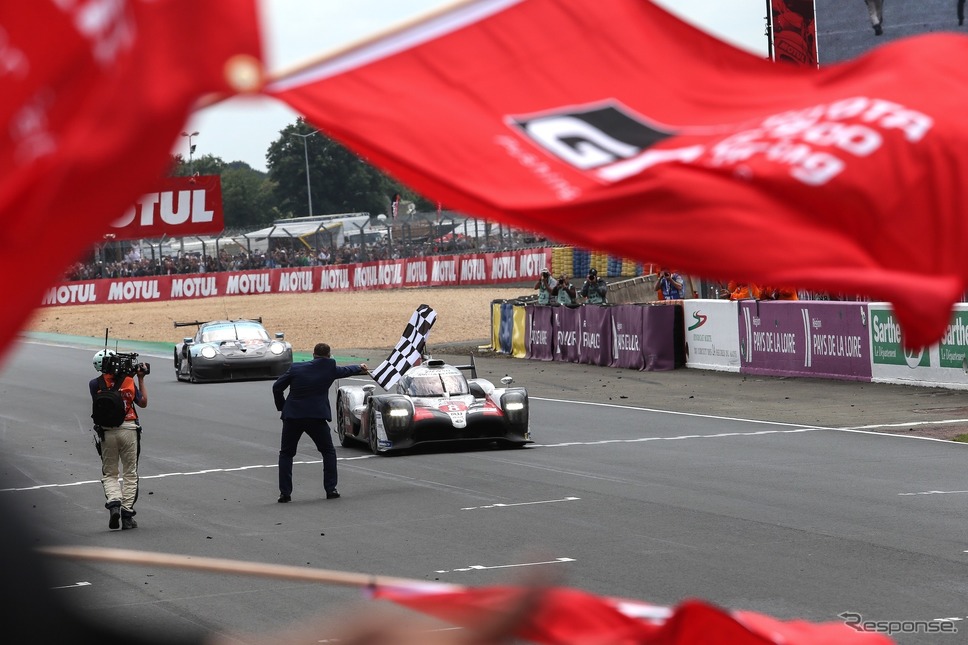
(654, 486)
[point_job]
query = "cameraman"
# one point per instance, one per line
(594, 289)
(544, 286)
(669, 285)
(564, 292)
(120, 444)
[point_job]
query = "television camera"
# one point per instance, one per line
(124, 364)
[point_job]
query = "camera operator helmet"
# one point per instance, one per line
(99, 358)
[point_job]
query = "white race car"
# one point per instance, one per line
(433, 402)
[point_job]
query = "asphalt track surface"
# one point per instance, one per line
(772, 495)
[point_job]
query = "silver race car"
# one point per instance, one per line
(231, 350)
(433, 402)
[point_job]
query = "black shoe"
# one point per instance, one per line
(128, 523)
(115, 520)
(878, 30)
(332, 494)
(284, 499)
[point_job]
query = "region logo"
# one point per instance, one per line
(700, 320)
(607, 139)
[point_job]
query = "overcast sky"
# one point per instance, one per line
(301, 30)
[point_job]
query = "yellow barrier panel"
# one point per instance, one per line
(496, 326)
(518, 332)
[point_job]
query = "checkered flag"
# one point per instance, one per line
(409, 349)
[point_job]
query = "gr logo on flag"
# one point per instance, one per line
(607, 139)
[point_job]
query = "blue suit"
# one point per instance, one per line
(307, 409)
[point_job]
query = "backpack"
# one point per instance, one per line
(109, 409)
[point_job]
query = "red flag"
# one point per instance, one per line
(94, 96)
(564, 616)
(616, 126)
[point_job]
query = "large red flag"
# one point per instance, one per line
(613, 125)
(94, 97)
(563, 616)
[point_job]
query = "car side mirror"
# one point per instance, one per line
(477, 390)
(507, 380)
(188, 341)
(280, 335)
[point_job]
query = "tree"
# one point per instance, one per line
(339, 180)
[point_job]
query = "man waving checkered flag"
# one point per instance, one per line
(408, 350)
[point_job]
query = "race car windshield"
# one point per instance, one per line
(234, 332)
(437, 385)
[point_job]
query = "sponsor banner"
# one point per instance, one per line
(627, 321)
(712, 334)
(474, 269)
(541, 333)
(662, 336)
(388, 274)
(945, 363)
(805, 338)
(182, 206)
(567, 325)
(448, 270)
(335, 277)
(443, 271)
(793, 32)
(846, 30)
(296, 280)
(595, 339)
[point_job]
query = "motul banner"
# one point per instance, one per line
(506, 267)
(182, 206)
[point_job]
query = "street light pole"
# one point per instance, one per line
(191, 150)
(309, 191)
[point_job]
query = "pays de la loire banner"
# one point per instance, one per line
(182, 206)
(477, 269)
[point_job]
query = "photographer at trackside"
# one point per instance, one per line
(544, 287)
(119, 444)
(594, 290)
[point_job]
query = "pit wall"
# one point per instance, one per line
(819, 339)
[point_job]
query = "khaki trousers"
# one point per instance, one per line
(120, 450)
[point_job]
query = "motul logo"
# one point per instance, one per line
(169, 207)
(181, 206)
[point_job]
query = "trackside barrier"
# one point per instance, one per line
(806, 338)
(643, 337)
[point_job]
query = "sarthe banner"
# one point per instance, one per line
(615, 126)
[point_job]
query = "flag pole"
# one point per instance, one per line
(238, 567)
(215, 98)
(375, 37)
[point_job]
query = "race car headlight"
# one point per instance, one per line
(208, 352)
(277, 348)
(399, 412)
(515, 405)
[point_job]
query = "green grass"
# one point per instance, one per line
(962, 438)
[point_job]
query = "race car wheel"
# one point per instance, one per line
(341, 421)
(177, 366)
(371, 419)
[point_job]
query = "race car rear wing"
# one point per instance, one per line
(199, 323)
